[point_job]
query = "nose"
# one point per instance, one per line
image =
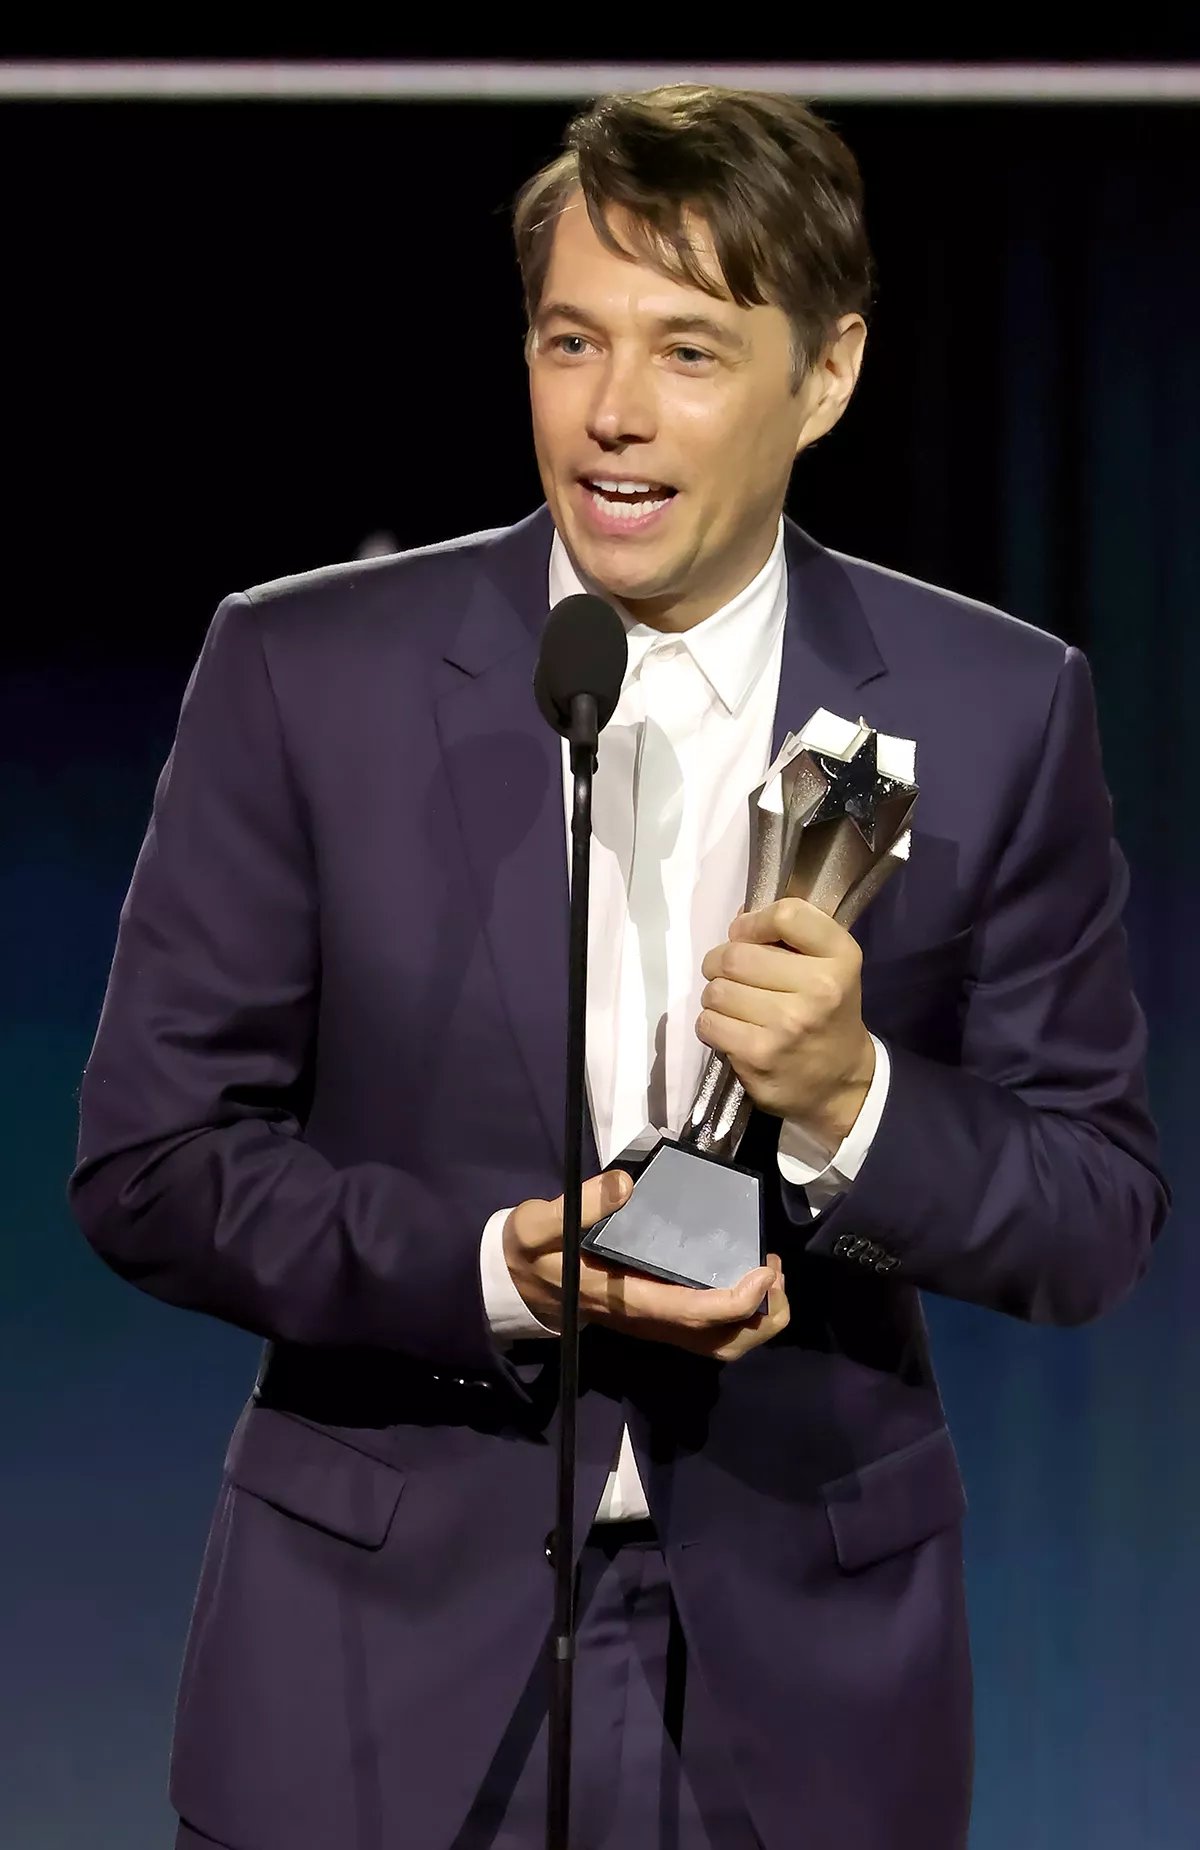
(623, 409)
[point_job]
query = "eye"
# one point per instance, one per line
(571, 346)
(691, 357)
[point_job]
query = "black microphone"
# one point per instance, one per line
(576, 684)
(583, 659)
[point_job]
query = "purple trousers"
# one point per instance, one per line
(650, 1770)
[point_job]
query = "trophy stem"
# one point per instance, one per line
(720, 1113)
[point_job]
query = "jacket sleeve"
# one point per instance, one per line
(1025, 1179)
(193, 1177)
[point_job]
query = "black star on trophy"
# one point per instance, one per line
(830, 824)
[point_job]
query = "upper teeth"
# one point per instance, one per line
(622, 488)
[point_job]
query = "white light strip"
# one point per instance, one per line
(547, 82)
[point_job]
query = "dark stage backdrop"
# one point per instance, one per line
(248, 338)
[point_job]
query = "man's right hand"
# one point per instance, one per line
(718, 1322)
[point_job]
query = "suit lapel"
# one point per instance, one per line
(503, 765)
(829, 649)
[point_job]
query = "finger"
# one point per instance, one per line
(763, 1008)
(600, 1195)
(761, 966)
(604, 1194)
(792, 922)
(775, 1315)
(753, 1331)
(778, 1288)
(735, 1303)
(640, 1299)
(748, 1047)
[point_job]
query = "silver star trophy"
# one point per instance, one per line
(830, 823)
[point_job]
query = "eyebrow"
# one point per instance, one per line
(665, 324)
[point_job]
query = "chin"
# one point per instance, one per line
(613, 570)
(629, 590)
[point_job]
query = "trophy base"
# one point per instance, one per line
(691, 1219)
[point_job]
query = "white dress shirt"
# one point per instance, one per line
(689, 739)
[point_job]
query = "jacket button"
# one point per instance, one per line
(548, 1548)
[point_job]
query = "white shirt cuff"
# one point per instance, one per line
(507, 1311)
(803, 1161)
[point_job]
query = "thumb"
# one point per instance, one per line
(746, 1297)
(601, 1195)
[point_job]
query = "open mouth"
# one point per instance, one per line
(626, 500)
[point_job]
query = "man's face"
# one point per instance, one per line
(665, 424)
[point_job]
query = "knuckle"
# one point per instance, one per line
(790, 918)
(826, 990)
(733, 961)
(796, 1019)
(763, 1053)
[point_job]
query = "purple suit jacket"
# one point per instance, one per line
(333, 1044)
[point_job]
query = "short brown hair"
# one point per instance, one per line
(778, 189)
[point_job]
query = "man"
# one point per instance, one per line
(330, 1062)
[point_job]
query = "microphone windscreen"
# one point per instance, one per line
(583, 651)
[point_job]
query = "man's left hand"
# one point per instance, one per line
(784, 1001)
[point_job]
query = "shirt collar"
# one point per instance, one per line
(731, 648)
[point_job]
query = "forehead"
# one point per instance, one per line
(581, 264)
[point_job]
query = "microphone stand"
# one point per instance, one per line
(582, 734)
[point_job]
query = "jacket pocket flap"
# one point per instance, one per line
(895, 1502)
(306, 1473)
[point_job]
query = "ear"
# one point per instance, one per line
(830, 386)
